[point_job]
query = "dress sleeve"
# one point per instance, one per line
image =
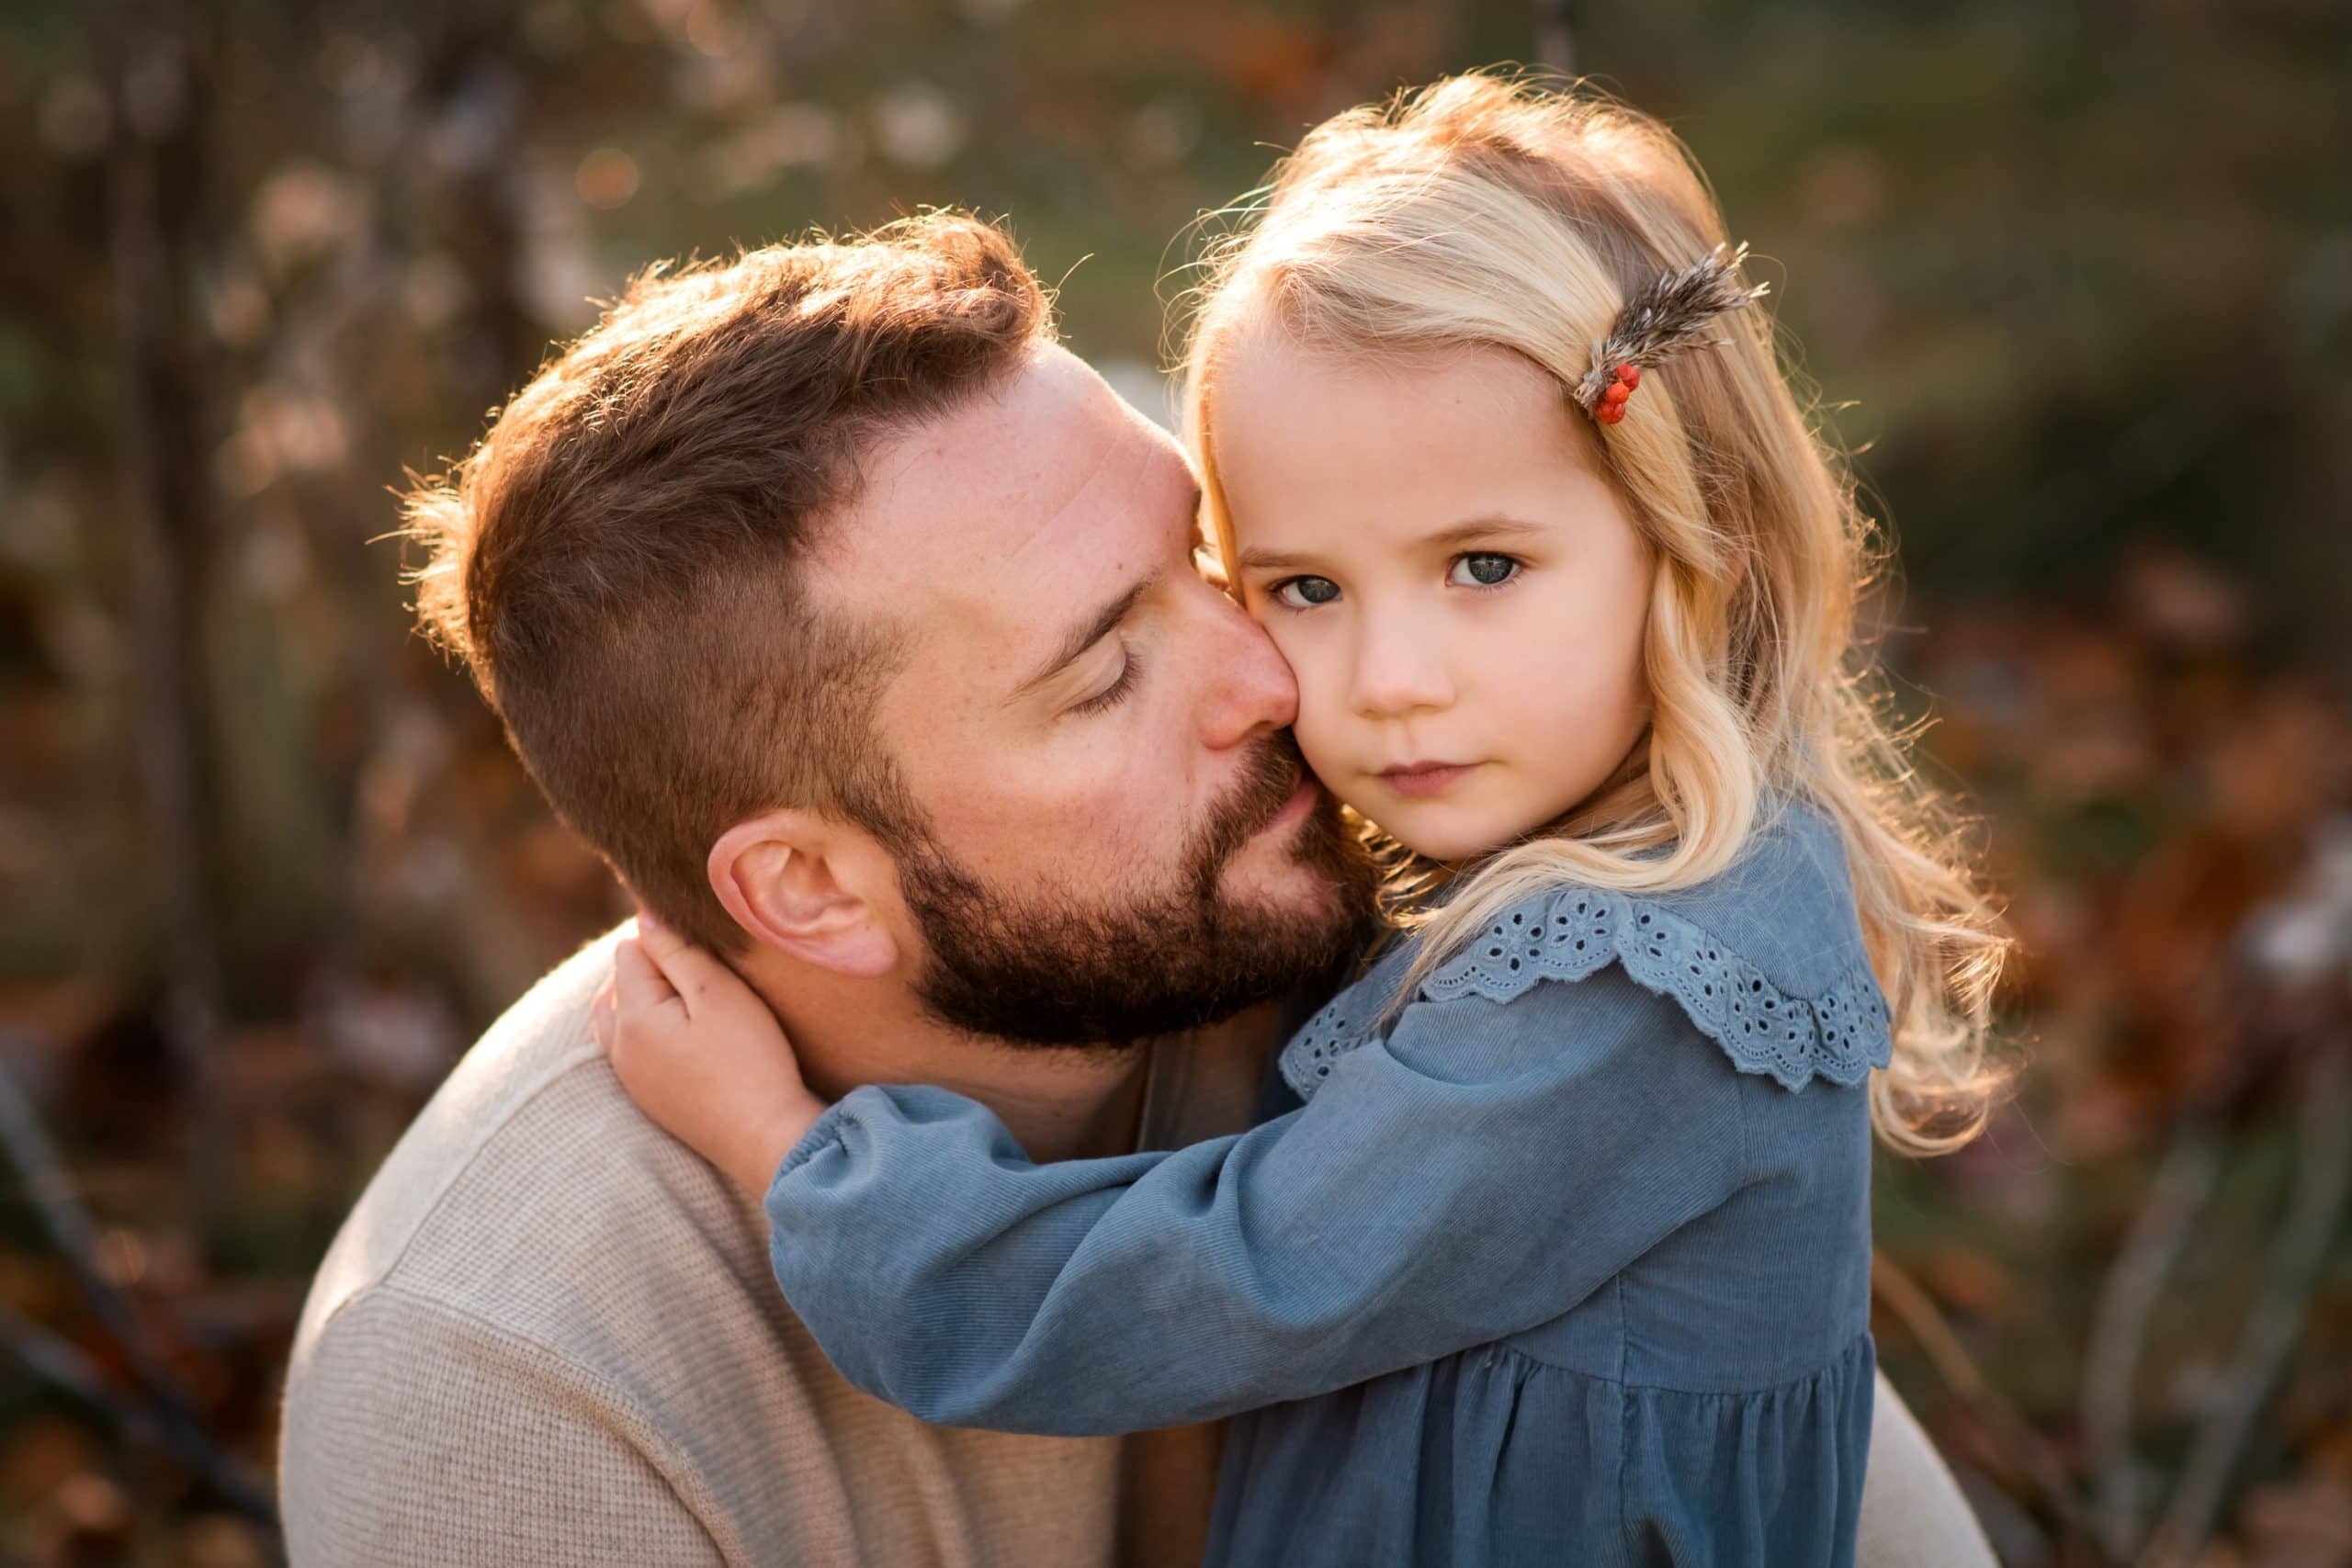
(1478, 1172)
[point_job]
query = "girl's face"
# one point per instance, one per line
(1462, 596)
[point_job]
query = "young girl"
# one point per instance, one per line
(1566, 1256)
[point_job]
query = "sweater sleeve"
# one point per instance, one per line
(1913, 1512)
(415, 1434)
(1476, 1173)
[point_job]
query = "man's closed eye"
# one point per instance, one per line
(1130, 670)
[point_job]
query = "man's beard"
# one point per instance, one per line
(1053, 972)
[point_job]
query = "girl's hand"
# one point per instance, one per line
(702, 1055)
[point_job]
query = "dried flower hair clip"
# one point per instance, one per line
(1660, 321)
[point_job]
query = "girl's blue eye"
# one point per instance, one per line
(1305, 592)
(1482, 569)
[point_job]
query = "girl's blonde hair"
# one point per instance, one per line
(1493, 210)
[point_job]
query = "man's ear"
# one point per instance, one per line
(810, 887)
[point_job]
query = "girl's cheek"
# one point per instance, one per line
(1322, 699)
(1298, 652)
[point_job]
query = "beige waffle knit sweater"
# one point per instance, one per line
(547, 1337)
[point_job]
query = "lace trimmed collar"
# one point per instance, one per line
(1831, 1022)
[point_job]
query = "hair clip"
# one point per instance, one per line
(1660, 321)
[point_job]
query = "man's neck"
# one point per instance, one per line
(1059, 1103)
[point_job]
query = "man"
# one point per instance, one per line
(854, 622)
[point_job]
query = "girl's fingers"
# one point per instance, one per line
(692, 972)
(654, 935)
(661, 944)
(637, 981)
(599, 1015)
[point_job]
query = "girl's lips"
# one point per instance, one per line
(1421, 782)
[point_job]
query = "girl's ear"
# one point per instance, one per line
(809, 886)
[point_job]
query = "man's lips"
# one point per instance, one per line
(1294, 810)
(1419, 780)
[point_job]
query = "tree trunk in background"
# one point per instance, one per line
(154, 204)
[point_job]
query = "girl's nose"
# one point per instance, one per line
(1397, 673)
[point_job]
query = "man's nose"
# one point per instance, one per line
(1250, 689)
(1397, 672)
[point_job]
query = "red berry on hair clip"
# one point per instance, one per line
(1610, 408)
(1664, 318)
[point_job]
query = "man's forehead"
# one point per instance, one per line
(992, 512)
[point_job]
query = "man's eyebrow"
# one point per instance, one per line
(1085, 637)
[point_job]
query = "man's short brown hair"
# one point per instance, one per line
(620, 563)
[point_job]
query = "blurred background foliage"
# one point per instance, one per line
(2072, 280)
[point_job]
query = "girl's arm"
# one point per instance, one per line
(1478, 1173)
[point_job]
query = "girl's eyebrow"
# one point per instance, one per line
(1272, 560)
(1478, 528)
(1472, 531)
